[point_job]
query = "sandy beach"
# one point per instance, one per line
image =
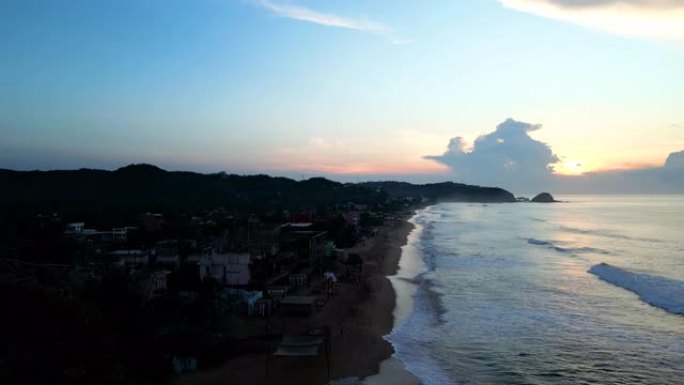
(358, 315)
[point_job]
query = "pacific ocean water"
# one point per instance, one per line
(588, 291)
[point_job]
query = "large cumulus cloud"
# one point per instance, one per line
(657, 19)
(675, 161)
(507, 157)
(510, 158)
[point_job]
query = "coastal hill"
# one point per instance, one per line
(147, 187)
(445, 191)
(151, 188)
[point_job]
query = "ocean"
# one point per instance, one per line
(588, 291)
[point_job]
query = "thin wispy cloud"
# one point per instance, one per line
(297, 12)
(655, 19)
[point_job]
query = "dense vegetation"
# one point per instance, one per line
(146, 187)
(140, 188)
(55, 332)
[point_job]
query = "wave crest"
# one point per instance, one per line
(662, 292)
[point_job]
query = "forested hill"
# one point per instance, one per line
(146, 187)
(149, 187)
(446, 191)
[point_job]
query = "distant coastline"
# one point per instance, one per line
(143, 186)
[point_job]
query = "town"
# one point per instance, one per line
(149, 295)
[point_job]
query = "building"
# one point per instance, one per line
(306, 246)
(231, 268)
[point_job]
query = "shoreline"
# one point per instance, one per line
(393, 371)
(359, 317)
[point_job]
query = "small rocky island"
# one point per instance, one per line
(543, 198)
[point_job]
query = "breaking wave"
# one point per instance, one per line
(662, 292)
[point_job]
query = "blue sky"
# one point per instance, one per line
(349, 89)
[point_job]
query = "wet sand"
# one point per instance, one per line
(358, 315)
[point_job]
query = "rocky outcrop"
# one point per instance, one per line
(543, 198)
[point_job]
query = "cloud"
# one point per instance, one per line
(668, 179)
(510, 158)
(675, 161)
(658, 19)
(659, 4)
(300, 13)
(507, 157)
(330, 20)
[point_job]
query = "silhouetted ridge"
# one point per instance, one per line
(140, 168)
(445, 191)
(147, 187)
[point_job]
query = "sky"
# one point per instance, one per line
(523, 94)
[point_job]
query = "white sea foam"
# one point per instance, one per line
(662, 292)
